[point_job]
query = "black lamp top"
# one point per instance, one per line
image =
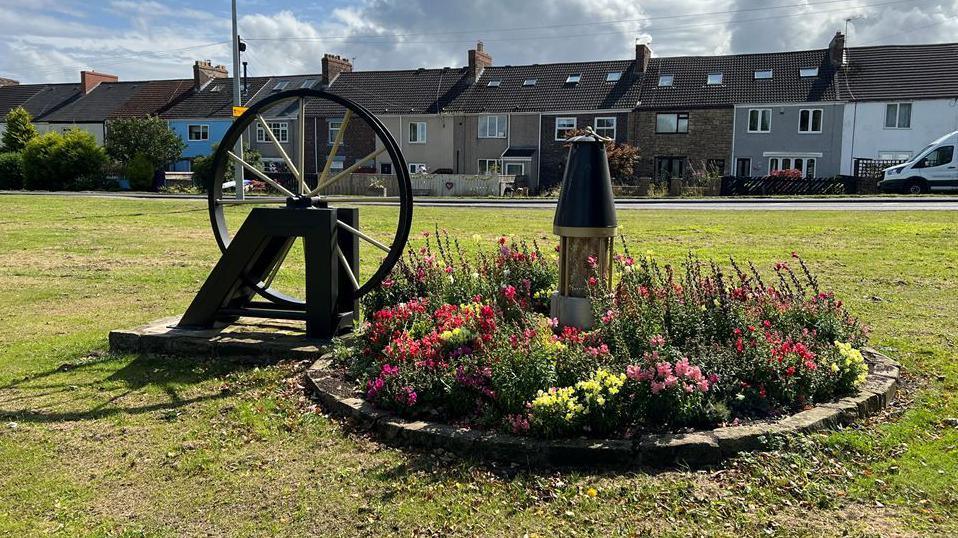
(586, 206)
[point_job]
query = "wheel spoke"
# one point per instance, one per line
(347, 171)
(332, 151)
(279, 148)
(362, 236)
(253, 200)
(260, 175)
(302, 146)
(349, 270)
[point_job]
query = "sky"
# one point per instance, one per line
(52, 40)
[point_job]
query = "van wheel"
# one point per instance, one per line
(916, 186)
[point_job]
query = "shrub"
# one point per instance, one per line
(11, 170)
(202, 167)
(140, 172)
(469, 341)
(54, 162)
(18, 131)
(148, 139)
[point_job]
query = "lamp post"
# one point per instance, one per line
(585, 222)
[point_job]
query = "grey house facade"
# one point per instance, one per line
(769, 137)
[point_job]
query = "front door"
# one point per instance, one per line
(743, 167)
(669, 167)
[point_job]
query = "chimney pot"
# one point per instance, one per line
(333, 65)
(204, 71)
(479, 60)
(643, 54)
(836, 50)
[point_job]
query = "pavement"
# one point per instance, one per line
(836, 203)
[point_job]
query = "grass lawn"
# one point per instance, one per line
(96, 444)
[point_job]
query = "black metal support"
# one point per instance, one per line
(259, 247)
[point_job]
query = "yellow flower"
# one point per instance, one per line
(591, 492)
(476, 237)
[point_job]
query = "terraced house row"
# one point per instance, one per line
(815, 111)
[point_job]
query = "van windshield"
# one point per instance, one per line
(920, 154)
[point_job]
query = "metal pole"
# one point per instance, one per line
(237, 101)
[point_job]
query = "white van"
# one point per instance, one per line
(934, 168)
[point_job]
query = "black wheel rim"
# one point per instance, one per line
(221, 162)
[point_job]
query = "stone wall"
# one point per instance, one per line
(709, 137)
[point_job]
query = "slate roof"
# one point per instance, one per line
(551, 92)
(689, 87)
(153, 97)
(96, 106)
(215, 100)
(900, 72)
(37, 99)
(412, 91)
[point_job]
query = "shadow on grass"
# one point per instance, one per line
(64, 392)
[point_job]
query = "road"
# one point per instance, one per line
(858, 203)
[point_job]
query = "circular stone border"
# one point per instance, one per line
(339, 398)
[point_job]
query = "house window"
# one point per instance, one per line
(898, 116)
(337, 163)
(760, 120)
(280, 131)
(743, 167)
(493, 126)
(493, 83)
(763, 73)
(386, 168)
(714, 79)
(670, 167)
(613, 76)
(894, 155)
(563, 126)
(573, 78)
(198, 133)
(810, 120)
(805, 166)
(515, 169)
(605, 126)
(808, 72)
(672, 123)
(417, 168)
(417, 132)
(334, 127)
(308, 83)
(281, 85)
(665, 80)
(489, 167)
(529, 82)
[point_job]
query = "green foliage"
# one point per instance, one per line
(203, 172)
(140, 172)
(19, 130)
(149, 138)
(55, 162)
(11, 170)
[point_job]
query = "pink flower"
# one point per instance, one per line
(713, 379)
(703, 386)
(593, 261)
(681, 367)
(388, 283)
(389, 370)
(671, 381)
(657, 387)
(593, 281)
(663, 369)
(688, 388)
(657, 341)
(425, 234)
(608, 317)
(448, 269)
(553, 322)
(509, 292)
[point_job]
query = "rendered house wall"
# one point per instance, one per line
(784, 138)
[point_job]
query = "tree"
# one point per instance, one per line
(55, 162)
(11, 170)
(150, 137)
(19, 130)
(622, 157)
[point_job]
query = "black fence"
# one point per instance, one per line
(873, 168)
(780, 186)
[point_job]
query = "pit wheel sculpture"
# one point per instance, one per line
(300, 205)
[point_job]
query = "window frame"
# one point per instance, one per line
(575, 123)
(679, 116)
(506, 165)
(530, 82)
(495, 134)
(898, 105)
(204, 128)
(479, 167)
(573, 78)
(282, 136)
(670, 77)
(494, 83)
(330, 137)
(807, 72)
(615, 125)
(757, 72)
(758, 130)
(420, 129)
(811, 121)
(613, 76)
(780, 161)
(412, 167)
(721, 79)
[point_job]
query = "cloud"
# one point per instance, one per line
(50, 40)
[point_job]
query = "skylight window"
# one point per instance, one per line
(529, 82)
(216, 88)
(573, 78)
(764, 73)
(613, 76)
(281, 85)
(715, 78)
(493, 83)
(308, 83)
(665, 80)
(808, 72)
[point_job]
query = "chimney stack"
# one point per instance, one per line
(333, 65)
(643, 54)
(479, 59)
(204, 71)
(91, 79)
(8, 82)
(836, 50)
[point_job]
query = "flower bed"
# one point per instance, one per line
(468, 341)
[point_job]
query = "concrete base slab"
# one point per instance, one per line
(246, 338)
